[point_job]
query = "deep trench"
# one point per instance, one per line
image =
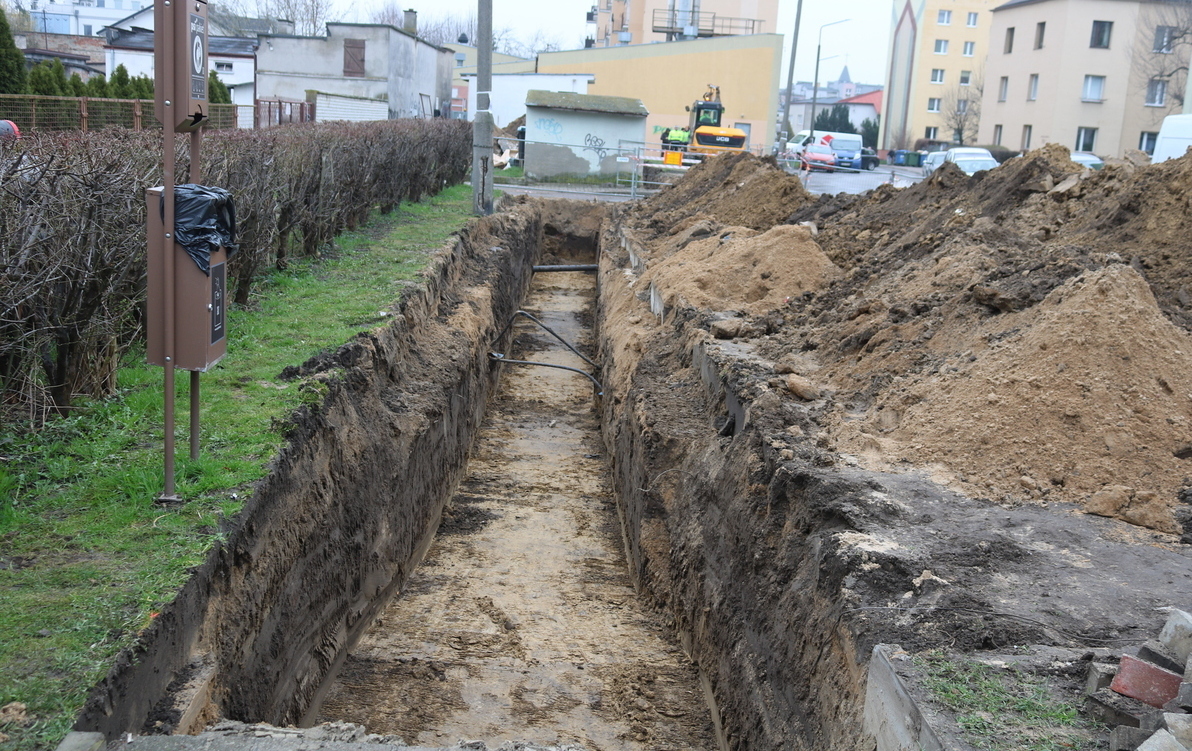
(522, 622)
(662, 539)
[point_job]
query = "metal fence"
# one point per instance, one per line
(38, 113)
(631, 169)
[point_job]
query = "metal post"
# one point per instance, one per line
(815, 83)
(196, 145)
(168, 159)
(790, 74)
(482, 123)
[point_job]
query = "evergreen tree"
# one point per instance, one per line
(835, 120)
(142, 87)
(43, 80)
(120, 85)
(869, 130)
(77, 87)
(97, 86)
(59, 71)
(13, 78)
(217, 92)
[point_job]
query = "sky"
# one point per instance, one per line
(862, 42)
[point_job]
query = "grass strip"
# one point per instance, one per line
(86, 557)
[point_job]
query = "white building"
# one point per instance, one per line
(371, 61)
(579, 133)
(509, 91)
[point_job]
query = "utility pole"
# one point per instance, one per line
(482, 123)
(790, 75)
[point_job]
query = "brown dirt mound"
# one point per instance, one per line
(741, 269)
(1012, 331)
(733, 189)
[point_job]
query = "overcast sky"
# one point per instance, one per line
(862, 42)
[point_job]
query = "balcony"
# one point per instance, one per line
(686, 23)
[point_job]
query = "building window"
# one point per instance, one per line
(931, 133)
(1146, 142)
(961, 107)
(1032, 88)
(970, 49)
(941, 46)
(1009, 47)
(933, 104)
(1040, 28)
(223, 67)
(1026, 137)
(966, 77)
(944, 18)
(997, 135)
(972, 21)
(1094, 89)
(86, 29)
(1156, 92)
(937, 75)
(1102, 30)
(1086, 139)
(1003, 86)
(353, 58)
(1164, 39)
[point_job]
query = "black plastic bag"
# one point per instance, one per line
(204, 221)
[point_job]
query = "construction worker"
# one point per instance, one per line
(679, 138)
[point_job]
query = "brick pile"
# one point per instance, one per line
(1147, 697)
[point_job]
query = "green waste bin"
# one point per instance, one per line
(913, 159)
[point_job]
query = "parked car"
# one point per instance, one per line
(932, 161)
(971, 165)
(818, 157)
(1088, 159)
(965, 152)
(853, 156)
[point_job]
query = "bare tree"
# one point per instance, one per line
(960, 108)
(1160, 60)
(442, 30)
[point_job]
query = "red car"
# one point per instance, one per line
(818, 157)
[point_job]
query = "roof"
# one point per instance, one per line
(869, 97)
(565, 100)
(142, 39)
(844, 78)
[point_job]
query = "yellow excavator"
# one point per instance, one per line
(704, 136)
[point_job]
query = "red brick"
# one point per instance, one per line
(1145, 682)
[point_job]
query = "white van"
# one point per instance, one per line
(836, 141)
(1175, 137)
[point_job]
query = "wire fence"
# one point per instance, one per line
(51, 113)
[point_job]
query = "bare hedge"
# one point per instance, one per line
(72, 228)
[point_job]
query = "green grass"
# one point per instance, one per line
(86, 556)
(1002, 709)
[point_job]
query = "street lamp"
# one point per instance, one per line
(815, 79)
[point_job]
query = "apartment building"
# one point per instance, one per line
(936, 71)
(1093, 75)
(618, 22)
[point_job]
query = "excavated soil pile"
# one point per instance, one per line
(1023, 333)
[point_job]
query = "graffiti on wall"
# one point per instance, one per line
(595, 144)
(549, 125)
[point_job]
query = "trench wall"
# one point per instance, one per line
(733, 539)
(346, 511)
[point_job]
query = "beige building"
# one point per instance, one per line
(937, 54)
(1093, 75)
(668, 78)
(643, 21)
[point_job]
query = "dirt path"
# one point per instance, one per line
(522, 623)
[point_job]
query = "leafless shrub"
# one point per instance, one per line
(72, 228)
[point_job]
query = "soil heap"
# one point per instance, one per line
(1023, 334)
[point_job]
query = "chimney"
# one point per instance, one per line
(410, 22)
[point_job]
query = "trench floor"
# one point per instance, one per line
(522, 622)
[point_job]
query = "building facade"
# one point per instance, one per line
(1093, 75)
(371, 61)
(668, 78)
(936, 71)
(619, 22)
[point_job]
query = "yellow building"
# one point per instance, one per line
(668, 78)
(936, 73)
(644, 21)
